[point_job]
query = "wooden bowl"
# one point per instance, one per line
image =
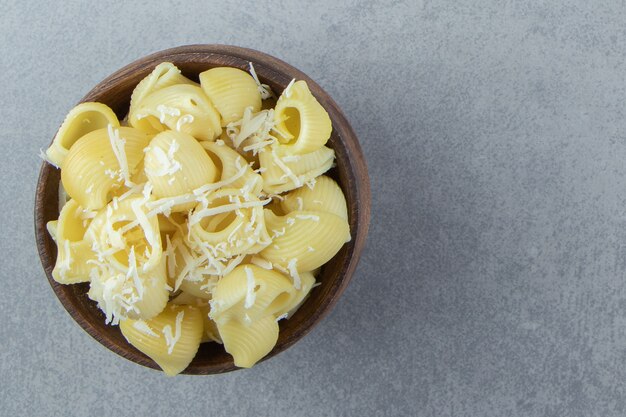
(351, 174)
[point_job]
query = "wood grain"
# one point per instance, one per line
(351, 174)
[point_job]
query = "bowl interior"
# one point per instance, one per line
(350, 173)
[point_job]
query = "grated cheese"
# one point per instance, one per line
(117, 144)
(172, 339)
(144, 328)
(183, 120)
(167, 111)
(307, 217)
(293, 271)
(250, 294)
(264, 89)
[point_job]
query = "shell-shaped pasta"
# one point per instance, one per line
(93, 169)
(230, 222)
(231, 90)
(324, 195)
(164, 75)
(82, 119)
(307, 280)
(124, 226)
(211, 333)
(176, 164)
(304, 240)
(249, 343)
(171, 339)
(283, 172)
(235, 171)
(250, 293)
(73, 252)
(131, 294)
(302, 122)
(181, 107)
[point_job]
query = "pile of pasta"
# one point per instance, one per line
(203, 216)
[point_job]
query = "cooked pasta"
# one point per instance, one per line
(304, 240)
(232, 91)
(74, 252)
(82, 119)
(171, 339)
(164, 75)
(181, 107)
(207, 220)
(100, 162)
(323, 195)
(283, 172)
(302, 122)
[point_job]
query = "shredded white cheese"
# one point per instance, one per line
(172, 338)
(250, 284)
(144, 328)
(293, 271)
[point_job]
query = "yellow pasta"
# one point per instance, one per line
(164, 75)
(307, 280)
(249, 343)
(250, 293)
(283, 172)
(171, 339)
(182, 107)
(73, 251)
(302, 122)
(164, 209)
(175, 165)
(211, 333)
(100, 162)
(323, 195)
(230, 221)
(234, 169)
(304, 240)
(82, 119)
(232, 91)
(123, 226)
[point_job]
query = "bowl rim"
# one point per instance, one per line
(360, 211)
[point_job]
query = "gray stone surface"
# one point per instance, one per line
(493, 281)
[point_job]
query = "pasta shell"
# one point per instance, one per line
(251, 293)
(231, 165)
(231, 90)
(304, 240)
(230, 222)
(249, 343)
(283, 172)
(82, 119)
(176, 164)
(164, 75)
(92, 169)
(73, 252)
(324, 195)
(184, 108)
(171, 339)
(303, 123)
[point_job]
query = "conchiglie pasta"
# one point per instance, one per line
(93, 169)
(82, 119)
(307, 280)
(324, 195)
(232, 91)
(176, 164)
(283, 172)
(229, 221)
(234, 169)
(171, 339)
(123, 226)
(73, 251)
(251, 293)
(184, 108)
(249, 342)
(304, 240)
(211, 333)
(302, 122)
(129, 294)
(164, 75)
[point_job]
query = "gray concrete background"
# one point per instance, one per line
(493, 281)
